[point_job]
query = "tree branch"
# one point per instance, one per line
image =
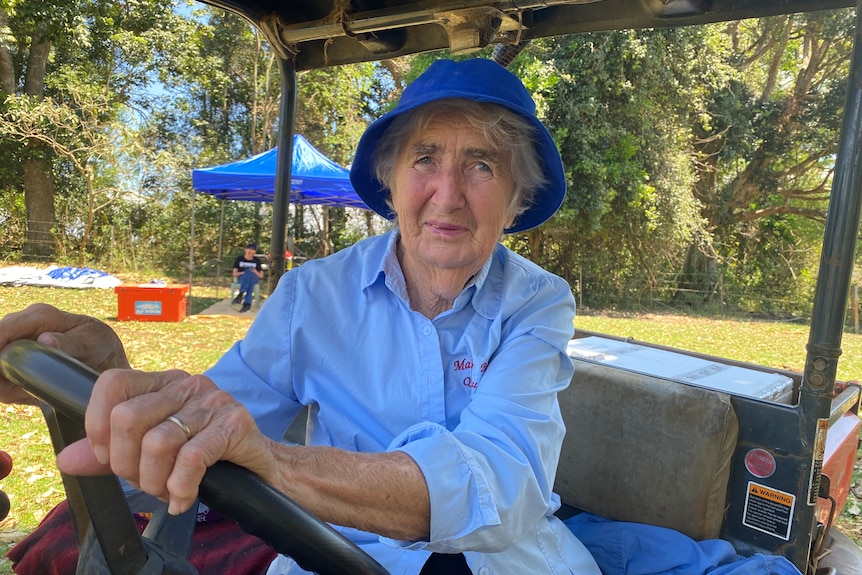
(812, 214)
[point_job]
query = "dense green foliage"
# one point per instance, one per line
(615, 105)
(698, 159)
(168, 87)
(72, 75)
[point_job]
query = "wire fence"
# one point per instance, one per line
(789, 301)
(211, 266)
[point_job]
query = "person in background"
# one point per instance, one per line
(248, 271)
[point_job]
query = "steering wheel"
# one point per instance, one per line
(63, 386)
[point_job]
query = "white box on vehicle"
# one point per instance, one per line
(683, 368)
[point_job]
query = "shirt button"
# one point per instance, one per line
(427, 330)
(484, 571)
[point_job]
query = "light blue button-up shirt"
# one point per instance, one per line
(470, 395)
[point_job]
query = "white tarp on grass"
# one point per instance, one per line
(54, 276)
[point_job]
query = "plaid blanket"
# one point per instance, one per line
(218, 547)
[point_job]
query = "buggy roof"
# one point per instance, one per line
(321, 33)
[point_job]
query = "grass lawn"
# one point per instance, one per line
(770, 343)
(195, 343)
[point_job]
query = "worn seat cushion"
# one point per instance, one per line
(645, 449)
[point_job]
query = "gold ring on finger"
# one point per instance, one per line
(181, 425)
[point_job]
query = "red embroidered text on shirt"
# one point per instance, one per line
(467, 364)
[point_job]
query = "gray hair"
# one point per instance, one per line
(502, 128)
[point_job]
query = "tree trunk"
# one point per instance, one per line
(324, 234)
(39, 201)
(699, 277)
(534, 244)
(7, 69)
(369, 222)
(38, 180)
(298, 223)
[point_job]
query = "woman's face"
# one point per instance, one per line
(451, 192)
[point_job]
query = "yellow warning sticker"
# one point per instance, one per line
(768, 510)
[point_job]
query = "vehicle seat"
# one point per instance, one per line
(645, 449)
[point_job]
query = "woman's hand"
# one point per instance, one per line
(85, 338)
(129, 434)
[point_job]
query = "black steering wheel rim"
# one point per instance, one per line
(65, 384)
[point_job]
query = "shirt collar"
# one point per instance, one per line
(381, 264)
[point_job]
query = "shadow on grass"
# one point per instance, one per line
(198, 304)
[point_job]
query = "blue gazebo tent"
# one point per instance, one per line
(315, 179)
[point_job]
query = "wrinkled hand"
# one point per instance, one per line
(85, 338)
(128, 433)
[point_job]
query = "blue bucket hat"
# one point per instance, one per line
(480, 80)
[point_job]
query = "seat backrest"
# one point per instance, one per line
(646, 449)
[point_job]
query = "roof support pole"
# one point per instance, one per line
(833, 281)
(281, 197)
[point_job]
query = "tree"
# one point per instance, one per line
(80, 138)
(222, 104)
(332, 110)
(42, 28)
(764, 149)
(622, 133)
(699, 158)
(96, 68)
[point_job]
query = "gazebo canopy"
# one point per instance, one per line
(315, 179)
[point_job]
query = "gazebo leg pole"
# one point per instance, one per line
(220, 245)
(191, 256)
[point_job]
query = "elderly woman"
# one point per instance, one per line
(430, 356)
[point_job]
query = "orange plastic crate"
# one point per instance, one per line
(147, 302)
